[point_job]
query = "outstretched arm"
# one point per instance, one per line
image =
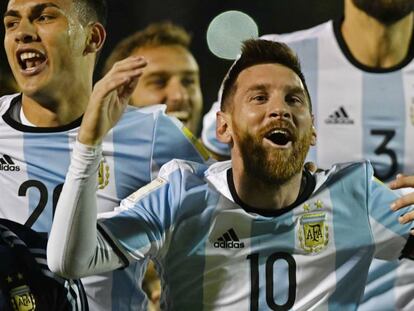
(75, 248)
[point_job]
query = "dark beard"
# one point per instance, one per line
(276, 167)
(386, 11)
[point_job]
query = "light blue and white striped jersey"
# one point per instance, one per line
(360, 113)
(215, 253)
(33, 166)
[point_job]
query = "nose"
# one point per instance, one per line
(177, 96)
(280, 109)
(26, 32)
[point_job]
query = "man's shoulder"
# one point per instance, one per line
(183, 168)
(302, 35)
(352, 173)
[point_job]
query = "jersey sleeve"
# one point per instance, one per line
(172, 140)
(140, 227)
(389, 235)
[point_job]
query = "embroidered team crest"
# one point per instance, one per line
(22, 299)
(313, 229)
(103, 174)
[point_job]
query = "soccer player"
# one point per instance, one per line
(359, 70)
(52, 47)
(254, 233)
(172, 76)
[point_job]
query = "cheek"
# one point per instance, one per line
(144, 96)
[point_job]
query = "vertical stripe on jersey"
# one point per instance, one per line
(353, 260)
(384, 122)
(307, 51)
(48, 163)
(131, 146)
(268, 239)
(132, 153)
(378, 291)
(187, 272)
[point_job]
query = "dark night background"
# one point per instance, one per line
(271, 16)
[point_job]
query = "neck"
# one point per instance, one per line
(56, 110)
(375, 44)
(262, 195)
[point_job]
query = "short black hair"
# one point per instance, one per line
(260, 51)
(157, 34)
(93, 11)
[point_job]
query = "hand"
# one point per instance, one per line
(109, 98)
(402, 181)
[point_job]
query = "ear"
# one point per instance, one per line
(314, 135)
(96, 38)
(223, 128)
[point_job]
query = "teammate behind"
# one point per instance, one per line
(172, 75)
(235, 235)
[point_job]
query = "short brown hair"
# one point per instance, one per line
(156, 34)
(259, 51)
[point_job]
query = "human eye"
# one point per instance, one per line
(294, 99)
(188, 81)
(157, 82)
(10, 23)
(259, 98)
(44, 18)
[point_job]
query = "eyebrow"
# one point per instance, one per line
(258, 87)
(35, 10)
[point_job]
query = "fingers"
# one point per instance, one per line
(402, 181)
(127, 64)
(404, 201)
(123, 76)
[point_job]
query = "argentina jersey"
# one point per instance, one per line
(361, 113)
(215, 253)
(34, 163)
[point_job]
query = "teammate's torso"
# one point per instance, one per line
(33, 166)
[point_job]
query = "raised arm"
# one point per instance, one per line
(75, 248)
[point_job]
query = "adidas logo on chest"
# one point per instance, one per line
(339, 116)
(228, 240)
(7, 164)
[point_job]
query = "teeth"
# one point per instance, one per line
(29, 55)
(284, 132)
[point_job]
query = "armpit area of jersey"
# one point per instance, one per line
(408, 251)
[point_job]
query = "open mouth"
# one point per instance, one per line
(30, 61)
(280, 137)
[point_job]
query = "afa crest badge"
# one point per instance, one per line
(103, 174)
(22, 299)
(313, 229)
